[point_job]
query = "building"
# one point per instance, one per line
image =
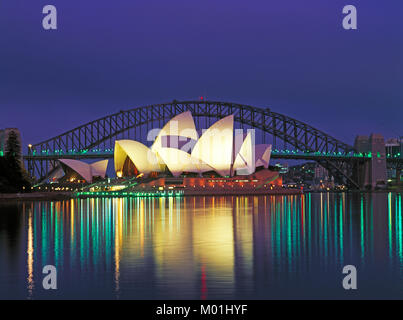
(394, 149)
(320, 173)
(215, 153)
(282, 168)
(216, 162)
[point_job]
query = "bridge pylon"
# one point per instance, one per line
(371, 174)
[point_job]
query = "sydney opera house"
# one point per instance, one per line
(219, 160)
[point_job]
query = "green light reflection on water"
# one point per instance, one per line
(341, 214)
(362, 233)
(44, 236)
(399, 235)
(296, 229)
(390, 225)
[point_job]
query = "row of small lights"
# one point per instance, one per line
(74, 150)
(325, 153)
(54, 189)
(130, 194)
(369, 155)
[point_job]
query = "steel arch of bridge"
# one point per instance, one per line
(291, 131)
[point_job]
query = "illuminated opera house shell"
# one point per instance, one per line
(215, 150)
(84, 170)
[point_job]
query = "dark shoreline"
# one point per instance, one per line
(4, 197)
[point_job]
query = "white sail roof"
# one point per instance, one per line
(98, 169)
(82, 168)
(179, 161)
(213, 151)
(244, 163)
(263, 153)
(238, 141)
(85, 170)
(143, 158)
(215, 146)
(181, 125)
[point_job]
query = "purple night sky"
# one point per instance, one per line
(291, 55)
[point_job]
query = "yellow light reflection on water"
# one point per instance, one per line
(213, 242)
(30, 255)
(118, 240)
(205, 242)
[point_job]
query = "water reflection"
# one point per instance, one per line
(205, 247)
(30, 253)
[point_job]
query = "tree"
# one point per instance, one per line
(13, 177)
(13, 151)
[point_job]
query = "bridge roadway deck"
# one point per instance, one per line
(274, 155)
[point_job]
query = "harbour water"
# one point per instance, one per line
(241, 247)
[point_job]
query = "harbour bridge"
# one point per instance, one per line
(291, 139)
